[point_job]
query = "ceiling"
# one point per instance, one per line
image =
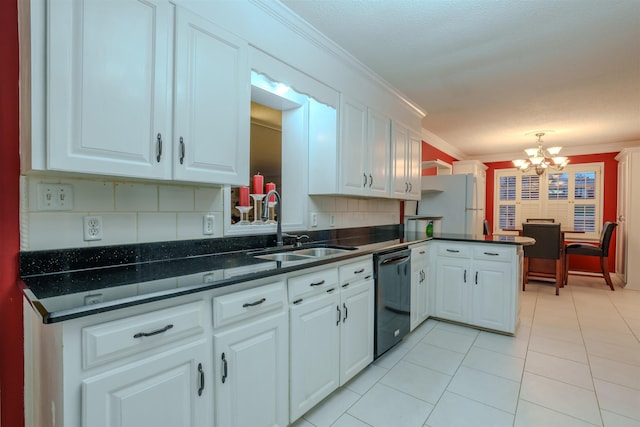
(490, 74)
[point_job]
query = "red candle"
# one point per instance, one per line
(244, 196)
(258, 184)
(271, 186)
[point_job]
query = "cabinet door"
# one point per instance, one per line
(212, 103)
(314, 351)
(356, 336)
(251, 381)
(168, 389)
(109, 87)
(353, 142)
(452, 282)
(379, 136)
(419, 266)
(414, 166)
(400, 185)
(423, 289)
(492, 295)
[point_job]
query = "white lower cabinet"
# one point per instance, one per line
(420, 282)
(478, 284)
(331, 331)
(164, 390)
(148, 365)
(251, 357)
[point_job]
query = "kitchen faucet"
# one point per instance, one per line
(265, 213)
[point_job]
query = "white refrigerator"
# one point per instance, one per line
(456, 199)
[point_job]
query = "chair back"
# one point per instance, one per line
(541, 220)
(486, 230)
(605, 236)
(548, 240)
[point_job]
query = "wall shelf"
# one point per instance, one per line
(443, 168)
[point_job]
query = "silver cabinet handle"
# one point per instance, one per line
(253, 304)
(159, 147)
(201, 374)
(156, 332)
(181, 150)
(224, 369)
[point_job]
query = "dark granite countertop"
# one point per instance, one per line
(66, 284)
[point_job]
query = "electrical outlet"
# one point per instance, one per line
(208, 224)
(314, 219)
(92, 299)
(55, 197)
(332, 220)
(92, 227)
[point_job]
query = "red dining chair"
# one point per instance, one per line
(600, 250)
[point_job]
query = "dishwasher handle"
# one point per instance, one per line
(395, 260)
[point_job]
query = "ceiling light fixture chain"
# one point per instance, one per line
(540, 158)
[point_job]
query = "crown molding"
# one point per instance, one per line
(611, 147)
(295, 23)
(442, 145)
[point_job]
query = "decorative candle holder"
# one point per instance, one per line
(257, 208)
(272, 213)
(244, 214)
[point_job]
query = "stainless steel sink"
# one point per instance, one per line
(285, 257)
(321, 251)
(305, 254)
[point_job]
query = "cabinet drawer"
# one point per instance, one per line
(243, 305)
(312, 283)
(454, 250)
(356, 271)
(493, 253)
(113, 340)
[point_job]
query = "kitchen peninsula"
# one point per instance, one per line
(190, 321)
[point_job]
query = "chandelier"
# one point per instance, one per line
(541, 158)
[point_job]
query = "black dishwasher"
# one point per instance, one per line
(393, 298)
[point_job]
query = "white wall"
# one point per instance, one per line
(140, 212)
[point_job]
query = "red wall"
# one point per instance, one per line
(610, 189)
(429, 152)
(11, 331)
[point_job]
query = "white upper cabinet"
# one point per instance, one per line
(109, 77)
(364, 154)
(212, 108)
(378, 153)
(112, 96)
(353, 143)
(406, 159)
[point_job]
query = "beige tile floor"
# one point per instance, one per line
(575, 361)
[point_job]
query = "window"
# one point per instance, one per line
(572, 197)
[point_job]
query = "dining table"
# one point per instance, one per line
(545, 268)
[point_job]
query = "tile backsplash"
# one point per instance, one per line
(141, 212)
